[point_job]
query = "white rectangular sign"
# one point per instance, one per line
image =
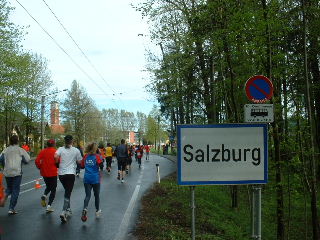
(222, 154)
(258, 113)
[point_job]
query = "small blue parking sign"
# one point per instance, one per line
(259, 89)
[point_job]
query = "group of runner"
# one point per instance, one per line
(65, 163)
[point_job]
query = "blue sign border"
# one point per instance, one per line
(227, 125)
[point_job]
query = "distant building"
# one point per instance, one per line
(55, 126)
(133, 137)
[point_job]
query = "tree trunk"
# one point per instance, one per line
(279, 187)
(314, 208)
(276, 131)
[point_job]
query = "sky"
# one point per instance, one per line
(107, 31)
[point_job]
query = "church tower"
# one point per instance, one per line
(55, 113)
(55, 127)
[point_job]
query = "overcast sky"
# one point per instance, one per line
(107, 32)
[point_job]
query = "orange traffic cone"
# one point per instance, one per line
(37, 184)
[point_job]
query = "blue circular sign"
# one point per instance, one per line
(259, 89)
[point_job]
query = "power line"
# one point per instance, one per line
(61, 48)
(82, 52)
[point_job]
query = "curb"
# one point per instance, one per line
(169, 157)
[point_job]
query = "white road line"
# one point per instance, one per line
(28, 190)
(125, 221)
(30, 182)
(140, 178)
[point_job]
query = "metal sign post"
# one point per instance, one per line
(158, 172)
(259, 89)
(256, 212)
(193, 219)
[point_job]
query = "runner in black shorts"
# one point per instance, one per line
(122, 156)
(122, 164)
(129, 160)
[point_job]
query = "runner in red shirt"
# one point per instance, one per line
(26, 148)
(139, 152)
(48, 169)
(147, 148)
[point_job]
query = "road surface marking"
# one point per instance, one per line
(141, 174)
(122, 232)
(28, 190)
(30, 182)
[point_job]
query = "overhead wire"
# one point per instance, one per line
(82, 52)
(62, 49)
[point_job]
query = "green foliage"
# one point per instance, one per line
(83, 119)
(24, 78)
(171, 219)
(208, 51)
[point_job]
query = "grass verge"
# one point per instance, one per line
(166, 213)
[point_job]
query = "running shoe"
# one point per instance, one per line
(49, 209)
(43, 201)
(12, 212)
(84, 215)
(69, 212)
(98, 213)
(122, 181)
(63, 217)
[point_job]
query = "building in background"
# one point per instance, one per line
(133, 138)
(55, 126)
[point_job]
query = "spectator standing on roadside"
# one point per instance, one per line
(48, 169)
(67, 158)
(91, 163)
(11, 159)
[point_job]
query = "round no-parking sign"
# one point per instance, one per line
(259, 89)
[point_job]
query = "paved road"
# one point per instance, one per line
(119, 202)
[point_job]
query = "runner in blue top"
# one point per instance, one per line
(91, 162)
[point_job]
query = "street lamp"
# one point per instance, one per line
(42, 114)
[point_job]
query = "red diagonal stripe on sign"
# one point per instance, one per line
(259, 89)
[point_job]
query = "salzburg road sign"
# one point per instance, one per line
(259, 89)
(222, 154)
(258, 113)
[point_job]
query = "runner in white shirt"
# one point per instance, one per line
(67, 158)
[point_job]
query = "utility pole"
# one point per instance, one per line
(159, 134)
(42, 121)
